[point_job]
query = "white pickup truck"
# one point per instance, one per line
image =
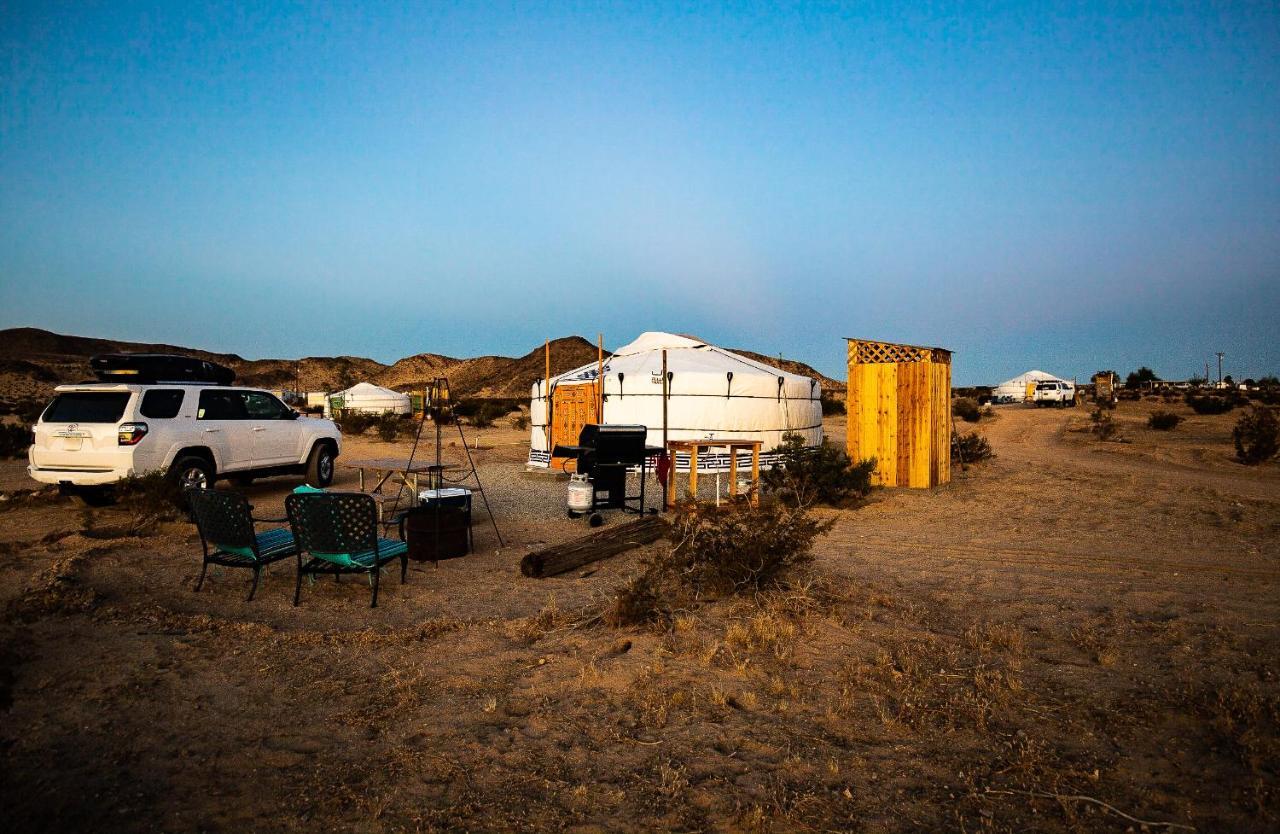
(95, 434)
(1061, 394)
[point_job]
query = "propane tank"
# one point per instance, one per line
(580, 496)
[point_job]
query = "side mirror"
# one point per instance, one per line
(293, 415)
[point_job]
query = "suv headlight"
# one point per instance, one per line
(131, 433)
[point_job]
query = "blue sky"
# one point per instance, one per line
(1066, 186)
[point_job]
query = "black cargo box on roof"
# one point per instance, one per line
(158, 367)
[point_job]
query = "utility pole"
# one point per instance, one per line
(1220, 355)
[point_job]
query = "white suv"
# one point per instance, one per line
(1055, 394)
(96, 433)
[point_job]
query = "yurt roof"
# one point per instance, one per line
(368, 389)
(1031, 376)
(684, 355)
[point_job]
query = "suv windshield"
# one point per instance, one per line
(87, 407)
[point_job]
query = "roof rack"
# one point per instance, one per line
(157, 368)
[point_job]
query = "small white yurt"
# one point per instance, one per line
(711, 393)
(1015, 390)
(370, 399)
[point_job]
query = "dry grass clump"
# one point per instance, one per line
(717, 554)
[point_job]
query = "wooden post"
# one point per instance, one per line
(546, 394)
(733, 471)
(693, 472)
(668, 488)
(755, 475)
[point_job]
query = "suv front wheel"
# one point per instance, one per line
(320, 465)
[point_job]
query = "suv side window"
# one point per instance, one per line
(221, 404)
(162, 403)
(260, 406)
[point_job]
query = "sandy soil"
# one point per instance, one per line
(1072, 636)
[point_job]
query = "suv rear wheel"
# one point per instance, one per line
(320, 465)
(191, 471)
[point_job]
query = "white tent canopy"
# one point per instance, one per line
(1015, 390)
(372, 399)
(712, 393)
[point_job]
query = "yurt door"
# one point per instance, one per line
(1031, 390)
(573, 406)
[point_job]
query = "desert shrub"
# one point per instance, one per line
(486, 414)
(805, 476)
(970, 448)
(15, 439)
(520, 422)
(1104, 426)
(1210, 403)
(717, 554)
(355, 422)
(966, 409)
(151, 496)
(1256, 435)
(1163, 420)
(389, 425)
(832, 407)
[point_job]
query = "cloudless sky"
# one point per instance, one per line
(1069, 186)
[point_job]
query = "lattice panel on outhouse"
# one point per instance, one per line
(875, 353)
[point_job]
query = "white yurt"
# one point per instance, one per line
(1015, 390)
(711, 393)
(370, 399)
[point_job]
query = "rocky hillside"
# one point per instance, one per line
(32, 361)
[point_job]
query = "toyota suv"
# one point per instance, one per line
(97, 433)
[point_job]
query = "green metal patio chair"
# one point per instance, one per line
(339, 530)
(227, 535)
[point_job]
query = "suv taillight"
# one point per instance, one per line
(131, 433)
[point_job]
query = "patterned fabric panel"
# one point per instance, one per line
(271, 544)
(387, 549)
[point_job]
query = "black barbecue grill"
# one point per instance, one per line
(604, 454)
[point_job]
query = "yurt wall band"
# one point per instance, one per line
(899, 407)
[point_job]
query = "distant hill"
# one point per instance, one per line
(32, 361)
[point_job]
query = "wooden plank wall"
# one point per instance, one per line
(899, 413)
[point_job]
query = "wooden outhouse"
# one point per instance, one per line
(899, 412)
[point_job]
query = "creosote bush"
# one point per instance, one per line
(520, 422)
(970, 448)
(1257, 435)
(389, 425)
(1210, 403)
(832, 407)
(486, 413)
(14, 440)
(805, 476)
(1104, 427)
(718, 554)
(1163, 420)
(355, 422)
(966, 409)
(154, 495)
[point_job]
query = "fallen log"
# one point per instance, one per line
(608, 542)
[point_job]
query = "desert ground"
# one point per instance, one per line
(1072, 636)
